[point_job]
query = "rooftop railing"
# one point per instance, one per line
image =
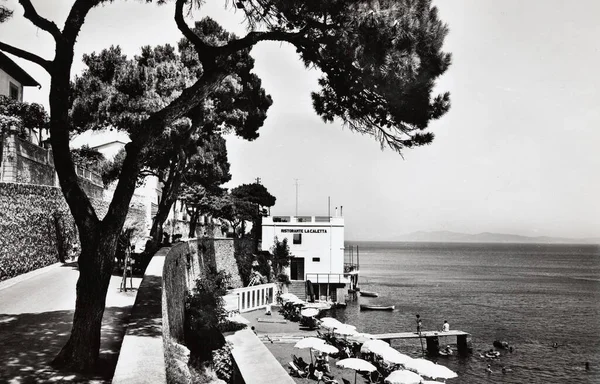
(303, 219)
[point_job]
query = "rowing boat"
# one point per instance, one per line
(369, 294)
(367, 307)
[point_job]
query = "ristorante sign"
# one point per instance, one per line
(304, 230)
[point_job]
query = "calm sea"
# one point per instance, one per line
(526, 294)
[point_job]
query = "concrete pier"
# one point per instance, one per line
(432, 339)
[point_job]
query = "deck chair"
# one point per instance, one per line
(299, 362)
(295, 371)
(375, 376)
(328, 380)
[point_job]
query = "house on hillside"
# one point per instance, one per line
(13, 78)
(110, 142)
(23, 159)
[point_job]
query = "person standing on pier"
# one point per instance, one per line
(419, 324)
(446, 326)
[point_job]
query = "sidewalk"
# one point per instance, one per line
(36, 312)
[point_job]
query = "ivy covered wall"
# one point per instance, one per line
(36, 227)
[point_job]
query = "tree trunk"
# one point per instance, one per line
(194, 215)
(95, 266)
(99, 239)
(169, 195)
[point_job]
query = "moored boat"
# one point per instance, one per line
(369, 307)
(369, 294)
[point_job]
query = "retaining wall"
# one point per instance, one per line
(29, 216)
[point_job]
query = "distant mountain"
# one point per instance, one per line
(487, 237)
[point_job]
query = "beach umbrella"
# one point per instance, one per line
(326, 348)
(309, 312)
(345, 330)
(297, 301)
(392, 356)
(403, 376)
(288, 296)
(330, 323)
(441, 372)
(374, 346)
(359, 338)
(356, 365)
(309, 342)
(429, 369)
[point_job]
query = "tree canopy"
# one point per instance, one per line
(379, 60)
(21, 115)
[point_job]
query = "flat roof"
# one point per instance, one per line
(16, 71)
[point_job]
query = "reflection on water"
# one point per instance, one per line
(529, 295)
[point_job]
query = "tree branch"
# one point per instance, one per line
(76, 18)
(256, 36)
(206, 52)
(153, 126)
(40, 22)
(47, 65)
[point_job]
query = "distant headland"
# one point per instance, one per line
(488, 237)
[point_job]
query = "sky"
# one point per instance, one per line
(517, 152)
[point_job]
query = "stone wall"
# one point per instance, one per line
(174, 278)
(225, 260)
(27, 163)
(29, 216)
(184, 264)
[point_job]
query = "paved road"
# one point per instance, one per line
(35, 322)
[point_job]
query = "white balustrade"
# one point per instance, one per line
(254, 297)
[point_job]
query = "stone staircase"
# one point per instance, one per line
(297, 287)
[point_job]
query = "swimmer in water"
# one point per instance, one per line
(489, 369)
(555, 345)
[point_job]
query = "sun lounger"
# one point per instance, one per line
(295, 371)
(301, 364)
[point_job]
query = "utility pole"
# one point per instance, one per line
(296, 196)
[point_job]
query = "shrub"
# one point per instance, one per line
(283, 278)
(263, 264)
(230, 326)
(204, 312)
(222, 362)
(176, 362)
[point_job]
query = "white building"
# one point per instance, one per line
(13, 78)
(317, 246)
(109, 142)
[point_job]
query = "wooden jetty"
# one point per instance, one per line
(432, 338)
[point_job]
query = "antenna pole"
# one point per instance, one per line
(296, 196)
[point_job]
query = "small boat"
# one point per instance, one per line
(368, 307)
(369, 294)
(492, 355)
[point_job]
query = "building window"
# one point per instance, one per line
(297, 238)
(316, 259)
(14, 91)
